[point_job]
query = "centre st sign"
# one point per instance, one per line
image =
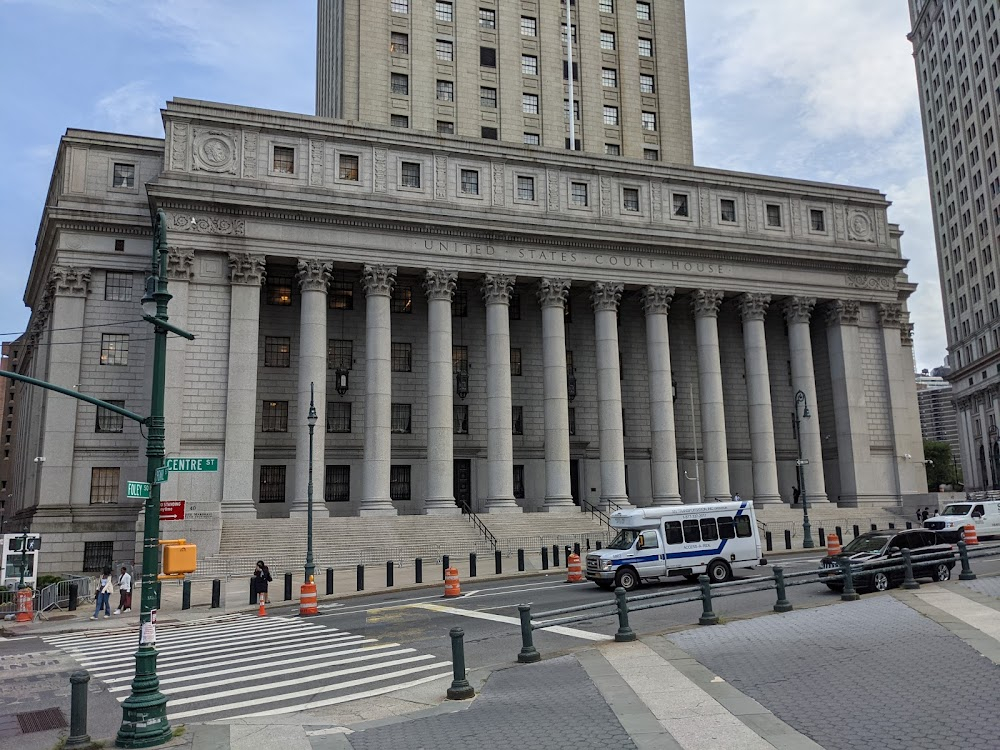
(191, 464)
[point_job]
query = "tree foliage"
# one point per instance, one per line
(944, 469)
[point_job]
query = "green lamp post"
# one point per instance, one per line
(24, 558)
(311, 420)
(807, 540)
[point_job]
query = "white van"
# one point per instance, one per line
(677, 540)
(984, 515)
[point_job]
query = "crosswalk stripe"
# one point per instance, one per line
(170, 627)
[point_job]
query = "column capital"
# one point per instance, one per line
(247, 269)
(497, 288)
(440, 285)
(843, 312)
(180, 264)
(378, 280)
(906, 334)
(553, 292)
(68, 281)
(656, 299)
(799, 309)
(706, 303)
(753, 306)
(605, 295)
(890, 314)
(314, 275)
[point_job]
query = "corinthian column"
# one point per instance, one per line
(765, 467)
(847, 378)
(705, 303)
(377, 281)
(798, 310)
(552, 294)
(246, 272)
(499, 420)
(605, 296)
(663, 456)
(440, 288)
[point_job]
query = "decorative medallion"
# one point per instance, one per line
(860, 226)
(214, 151)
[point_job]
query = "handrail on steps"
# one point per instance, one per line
(477, 522)
(593, 510)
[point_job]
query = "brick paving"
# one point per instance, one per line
(552, 705)
(988, 586)
(900, 681)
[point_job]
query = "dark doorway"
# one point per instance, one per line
(463, 483)
(574, 480)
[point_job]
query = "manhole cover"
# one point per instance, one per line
(39, 721)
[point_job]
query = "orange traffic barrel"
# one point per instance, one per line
(25, 612)
(575, 574)
(833, 545)
(307, 599)
(969, 535)
(451, 585)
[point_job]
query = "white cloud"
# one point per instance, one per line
(133, 109)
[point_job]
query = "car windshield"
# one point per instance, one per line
(865, 544)
(958, 509)
(624, 539)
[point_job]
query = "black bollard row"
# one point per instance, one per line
(576, 548)
(857, 531)
(389, 578)
(216, 593)
(472, 565)
(329, 581)
(445, 564)
(545, 558)
(598, 544)
(555, 555)
(253, 596)
(822, 537)
(418, 570)
(78, 736)
(840, 535)
(74, 596)
(768, 541)
(520, 561)
(186, 595)
(497, 562)
(288, 587)
(788, 539)
(361, 578)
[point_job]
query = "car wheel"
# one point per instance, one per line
(942, 572)
(606, 585)
(880, 582)
(627, 578)
(718, 571)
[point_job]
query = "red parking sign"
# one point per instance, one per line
(172, 510)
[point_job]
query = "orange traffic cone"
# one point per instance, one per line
(451, 584)
(833, 545)
(261, 612)
(969, 535)
(575, 574)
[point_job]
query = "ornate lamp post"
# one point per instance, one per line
(994, 455)
(311, 420)
(807, 540)
(24, 557)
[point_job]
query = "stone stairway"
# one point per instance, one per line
(827, 516)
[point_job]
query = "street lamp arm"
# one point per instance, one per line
(160, 323)
(75, 394)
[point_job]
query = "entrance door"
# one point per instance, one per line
(574, 480)
(463, 483)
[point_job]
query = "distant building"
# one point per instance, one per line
(8, 361)
(926, 381)
(938, 417)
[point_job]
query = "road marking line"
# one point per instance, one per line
(481, 615)
(355, 608)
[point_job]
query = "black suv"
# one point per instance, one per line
(878, 549)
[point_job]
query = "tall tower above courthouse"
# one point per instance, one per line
(497, 69)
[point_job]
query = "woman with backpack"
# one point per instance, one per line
(261, 577)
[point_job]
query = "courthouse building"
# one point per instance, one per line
(482, 323)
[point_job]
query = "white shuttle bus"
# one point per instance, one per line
(677, 540)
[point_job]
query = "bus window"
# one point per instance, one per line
(674, 535)
(691, 531)
(743, 526)
(727, 529)
(709, 531)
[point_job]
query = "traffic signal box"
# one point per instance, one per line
(179, 558)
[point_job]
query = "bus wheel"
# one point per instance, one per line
(627, 579)
(719, 571)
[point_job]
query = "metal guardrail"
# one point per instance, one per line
(53, 596)
(480, 526)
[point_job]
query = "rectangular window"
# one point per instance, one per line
(487, 97)
(399, 483)
(338, 416)
(609, 78)
(743, 529)
(109, 421)
(487, 57)
(445, 128)
(727, 529)
(399, 43)
(517, 420)
(529, 65)
(444, 49)
(646, 84)
(459, 359)
(680, 203)
(400, 84)
(487, 18)
(532, 139)
(650, 154)
(446, 91)
(578, 193)
(817, 220)
(692, 530)
(401, 300)
(400, 6)
(526, 188)
(119, 246)
(612, 149)
(97, 556)
(399, 121)
(607, 40)
(401, 418)
(272, 484)
(278, 290)
(564, 44)
(529, 104)
(284, 160)
(118, 286)
(606, 6)
(460, 304)
(709, 530)
(340, 354)
(645, 47)
(402, 357)
(519, 481)
(444, 12)
(410, 174)
(470, 181)
(576, 112)
(274, 417)
(515, 361)
(105, 484)
(611, 115)
(488, 133)
(529, 26)
(649, 121)
(124, 176)
(277, 351)
(337, 484)
(643, 11)
(341, 295)
(572, 421)
(348, 167)
(461, 412)
(630, 199)
(674, 535)
(114, 349)
(727, 210)
(773, 214)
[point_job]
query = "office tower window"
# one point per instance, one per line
(649, 121)
(410, 174)
(645, 47)
(487, 97)
(680, 204)
(470, 181)
(399, 121)
(630, 199)
(277, 351)
(399, 483)
(338, 416)
(578, 193)
(400, 84)
(646, 84)
(607, 40)
(446, 91)
(337, 484)
(118, 286)
(727, 210)
(444, 127)
(444, 12)
(401, 300)
(444, 50)
(401, 418)
(339, 354)
(399, 43)
(123, 176)
(278, 290)
(529, 26)
(341, 295)
(612, 149)
(529, 104)
(773, 215)
(532, 139)
(284, 160)
(606, 6)
(348, 167)
(114, 349)
(274, 416)
(488, 133)
(526, 188)
(487, 57)
(609, 78)
(400, 6)
(611, 115)
(817, 220)
(487, 18)
(105, 485)
(107, 421)
(643, 11)
(650, 154)
(529, 65)
(402, 357)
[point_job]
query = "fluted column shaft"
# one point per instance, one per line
(378, 281)
(798, 310)
(552, 294)
(713, 416)
(605, 297)
(499, 419)
(753, 307)
(440, 288)
(663, 440)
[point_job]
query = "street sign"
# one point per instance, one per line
(138, 490)
(162, 473)
(171, 510)
(191, 464)
(802, 462)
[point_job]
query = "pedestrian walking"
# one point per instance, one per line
(105, 588)
(261, 577)
(124, 592)
(925, 514)
(795, 495)
(736, 497)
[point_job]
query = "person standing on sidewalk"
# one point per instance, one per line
(105, 588)
(124, 592)
(261, 577)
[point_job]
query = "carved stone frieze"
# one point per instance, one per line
(606, 295)
(605, 195)
(875, 283)
(214, 150)
(178, 144)
(440, 284)
(209, 224)
(247, 269)
(553, 292)
(314, 275)
(751, 212)
(656, 299)
(67, 281)
(843, 312)
(180, 264)
(552, 182)
(441, 177)
(704, 207)
(890, 314)
(497, 288)
(317, 152)
(656, 201)
(378, 280)
(799, 309)
(250, 154)
(498, 180)
(753, 306)
(380, 170)
(705, 303)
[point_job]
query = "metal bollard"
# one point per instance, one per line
(588, 544)
(576, 548)
(555, 555)
(329, 581)
(597, 544)
(892, 526)
(840, 535)
(74, 596)
(288, 586)
(158, 588)
(768, 541)
(361, 578)
(418, 570)
(857, 531)
(909, 525)
(216, 593)
(909, 582)
(473, 568)
(78, 736)
(782, 604)
(388, 574)
(497, 562)
(528, 654)
(520, 561)
(624, 633)
(566, 554)
(253, 596)
(460, 689)
(822, 537)
(874, 527)
(849, 594)
(788, 539)
(185, 594)
(445, 564)
(963, 553)
(545, 558)
(708, 617)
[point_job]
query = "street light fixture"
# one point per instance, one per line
(994, 455)
(340, 379)
(807, 540)
(311, 420)
(571, 383)
(24, 558)
(462, 383)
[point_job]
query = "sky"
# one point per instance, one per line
(809, 89)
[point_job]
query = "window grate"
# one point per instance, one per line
(272, 484)
(105, 484)
(337, 484)
(274, 417)
(109, 421)
(399, 483)
(40, 721)
(118, 286)
(97, 556)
